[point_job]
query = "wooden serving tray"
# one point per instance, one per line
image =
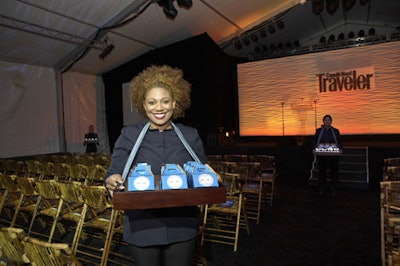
(168, 198)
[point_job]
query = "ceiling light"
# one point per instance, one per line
(271, 29)
(263, 33)
(332, 6)
(280, 24)
(185, 3)
(317, 6)
(371, 31)
(254, 37)
(168, 8)
(238, 44)
(109, 46)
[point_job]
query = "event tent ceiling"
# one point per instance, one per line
(70, 35)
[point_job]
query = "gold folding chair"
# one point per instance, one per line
(50, 197)
(11, 197)
(223, 221)
(104, 223)
(73, 209)
(29, 200)
(40, 252)
(11, 248)
(96, 173)
(390, 222)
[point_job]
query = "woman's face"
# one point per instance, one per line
(327, 122)
(159, 107)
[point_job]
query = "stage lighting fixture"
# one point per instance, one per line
(322, 39)
(185, 3)
(238, 45)
(332, 6)
(271, 29)
(371, 31)
(254, 37)
(168, 8)
(331, 38)
(106, 51)
(317, 6)
(246, 41)
(351, 34)
(341, 36)
(348, 4)
(361, 33)
(263, 33)
(280, 24)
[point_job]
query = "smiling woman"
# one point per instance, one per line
(158, 236)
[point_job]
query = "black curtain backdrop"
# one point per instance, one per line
(211, 73)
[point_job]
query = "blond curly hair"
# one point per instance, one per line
(165, 77)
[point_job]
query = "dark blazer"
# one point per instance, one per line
(330, 138)
(158, 226)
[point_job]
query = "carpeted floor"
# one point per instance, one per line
(303, 228)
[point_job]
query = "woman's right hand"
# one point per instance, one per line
(114, 182)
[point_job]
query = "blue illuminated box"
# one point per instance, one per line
(200, 175)
(173, 177)
(141, 178)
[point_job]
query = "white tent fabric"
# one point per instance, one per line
(32, 118)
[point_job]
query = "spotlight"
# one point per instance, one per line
(254, 37)
(280, 24)
(371, 31)
(238, 45)
(322, 39)
(332, 6)
(109, 46)
(361, 33)
(271, 29)
(185, 3)
(106, 51)
(263, 33)
(341, 36)
(351, 34)
(168, 8)
(331, 38)
(348, 4)
(317, 6)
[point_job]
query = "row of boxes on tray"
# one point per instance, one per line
(173, 176)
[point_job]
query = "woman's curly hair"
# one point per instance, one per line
(165, 77)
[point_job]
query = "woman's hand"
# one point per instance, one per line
(114, 182)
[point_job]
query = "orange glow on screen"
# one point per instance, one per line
(358, 87)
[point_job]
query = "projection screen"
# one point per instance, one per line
(359, 87)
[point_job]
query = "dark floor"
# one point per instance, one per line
(304, 228)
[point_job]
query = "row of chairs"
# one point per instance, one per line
(391, 169)
(390, 212)
(257, 176)
(247, 190)
(17, 248)
(84, 209)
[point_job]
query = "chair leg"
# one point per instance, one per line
(109, 237)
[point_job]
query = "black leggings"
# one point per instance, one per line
(176, 254)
